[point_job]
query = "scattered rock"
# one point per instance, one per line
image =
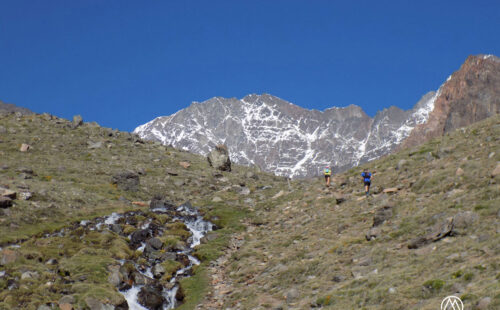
(151, 296)
(95, 304)
(292, 295)
(459, 172)
(184, 164)
(484, 303)
(179, 183)
(373, 233)
(161, 202)
(126, 180)
(244, 191)
(65, 306)
(138, 237)
(391, 190)
(29, 275)
(464, 220)
(25, 147)
(67, 299)
(496, 171)
(8, 193)
(382, 215)
(279, 194)
(171, 172)
(94, 145)
(251, 175)
(155, 243)
(114, 277)
(402, 164)
(26, 195)
(216, 199)
(5, 202)
(77, 121)
(158, 271)
(392, 290)
(339, 198)
(438, 232)
(219, 158)
(338, 278)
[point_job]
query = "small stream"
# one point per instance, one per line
(142, 281)
(198, 228)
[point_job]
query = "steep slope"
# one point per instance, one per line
(471, 94)
(284, 138)
(429, 230)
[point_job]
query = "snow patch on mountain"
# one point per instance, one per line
(283, 138)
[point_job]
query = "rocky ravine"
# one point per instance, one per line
(288, 140)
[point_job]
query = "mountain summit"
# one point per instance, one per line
(288, 140)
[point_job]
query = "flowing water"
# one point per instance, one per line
(198, 228)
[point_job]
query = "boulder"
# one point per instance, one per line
(161, 202)
(158, 271)
(95, 304)
(373, 233)
(8, 193)
(77, 121)
(184, 164)
(138, 237)
(25, 147)
(459, 172)
(29, 275)
(438, 232)
(126, 180)
(496, 171)
(219, 158)
(25, 195)
(151, 297)
(67, 299)
(391, 190)
(94, 145)
(5, 202)
(463, 220)
(155, 243)
(65, 306)
(382, 215)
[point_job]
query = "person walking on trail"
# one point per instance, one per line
(367, 179)
(328, 173)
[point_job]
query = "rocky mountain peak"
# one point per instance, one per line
(469, 95)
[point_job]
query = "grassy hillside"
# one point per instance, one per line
(310, 247)
(280, 244)
(67, 176)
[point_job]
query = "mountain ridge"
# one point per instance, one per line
(289, 140)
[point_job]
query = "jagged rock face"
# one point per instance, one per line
(288, 140)
(471, 94)
(284, 138)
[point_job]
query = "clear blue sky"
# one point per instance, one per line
(122, 63)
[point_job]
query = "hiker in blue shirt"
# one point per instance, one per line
(367, 180)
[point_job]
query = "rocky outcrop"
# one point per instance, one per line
(219, 158)
(471, 94)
